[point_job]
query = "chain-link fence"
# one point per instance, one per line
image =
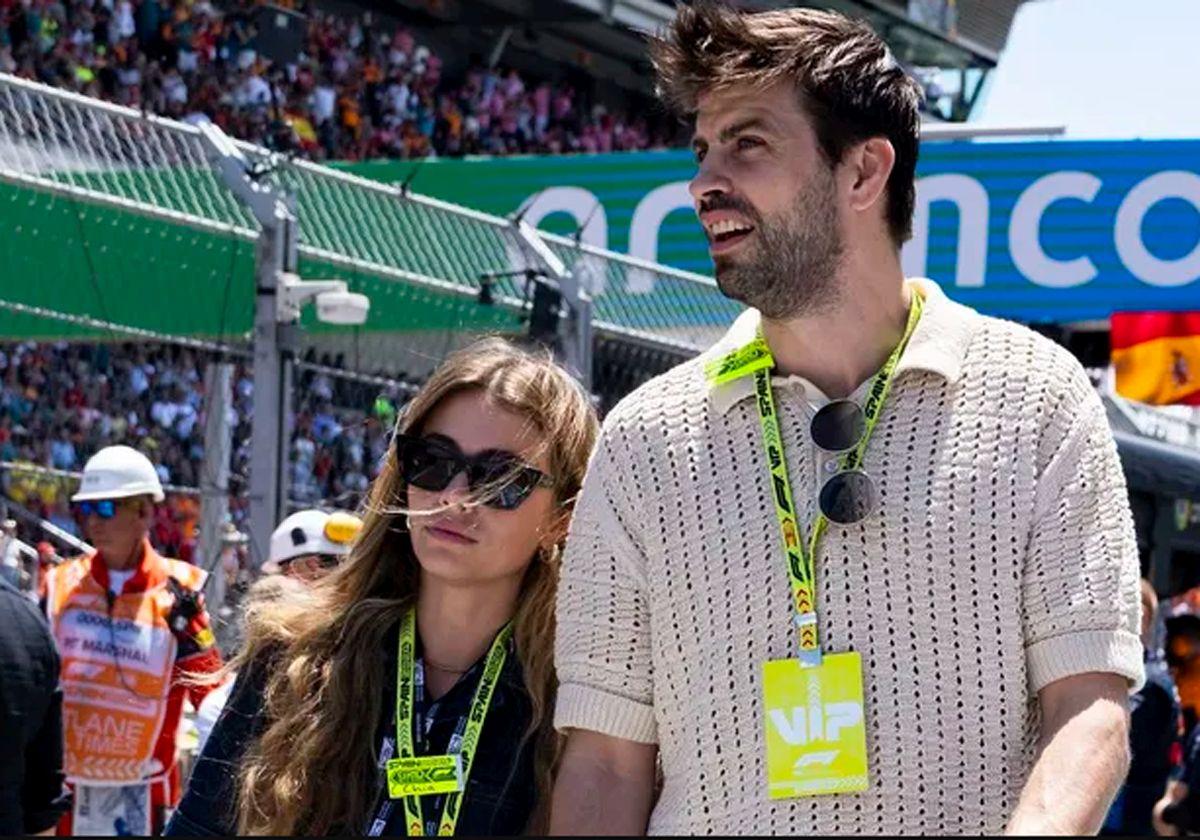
(133, 231)
(420, 260)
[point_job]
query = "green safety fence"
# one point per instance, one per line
(113, 211)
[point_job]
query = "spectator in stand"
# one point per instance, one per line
(361, 87)
(61, 517)
(10, 554)
(60, 403)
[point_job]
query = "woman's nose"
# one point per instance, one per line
(457, 492)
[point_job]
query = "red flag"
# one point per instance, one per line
(1157, 356)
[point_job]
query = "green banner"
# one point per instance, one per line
(76, 258)
(631, 202)
(1039, 231)
(1047, 231)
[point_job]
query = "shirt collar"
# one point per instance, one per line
(151, 571)
(938, 345)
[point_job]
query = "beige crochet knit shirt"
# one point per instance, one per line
(1002, 558)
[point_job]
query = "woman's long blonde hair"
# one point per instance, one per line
(312, 771)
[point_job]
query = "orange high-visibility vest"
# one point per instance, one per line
(117, 656)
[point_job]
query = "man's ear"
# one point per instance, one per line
(870, 164)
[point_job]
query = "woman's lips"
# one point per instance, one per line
(449, 534)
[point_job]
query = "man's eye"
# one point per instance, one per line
(744, 143)
(699, 155)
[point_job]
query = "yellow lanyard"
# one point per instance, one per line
(756, 358)
(405, 703)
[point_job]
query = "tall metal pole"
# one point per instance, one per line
(575, 329)
(214, 475)
(278, 296)
(276, 253)
(579, 333)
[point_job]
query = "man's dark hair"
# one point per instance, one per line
(848, 81)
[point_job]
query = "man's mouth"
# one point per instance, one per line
(726, 234)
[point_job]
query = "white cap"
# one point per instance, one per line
(312, 532)
(118, 472)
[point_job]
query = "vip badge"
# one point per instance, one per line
(815, 731)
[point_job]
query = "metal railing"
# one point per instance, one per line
(104, 154)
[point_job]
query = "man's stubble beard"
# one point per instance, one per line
(789, 270)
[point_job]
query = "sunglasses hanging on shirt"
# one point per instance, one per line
(849, 495)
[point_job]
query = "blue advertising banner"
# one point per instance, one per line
(1060, 231)
(1036, 231)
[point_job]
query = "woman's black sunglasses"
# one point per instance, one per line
(503, 480)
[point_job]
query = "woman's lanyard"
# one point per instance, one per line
(756, 358)
(410, 776)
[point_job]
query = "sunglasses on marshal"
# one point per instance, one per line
(104, 508)
(502, 480)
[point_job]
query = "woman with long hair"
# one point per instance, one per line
(412, 691)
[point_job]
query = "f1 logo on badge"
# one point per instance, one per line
(824, 759)
(824, 724)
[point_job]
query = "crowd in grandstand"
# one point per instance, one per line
(340, 437)
(361, 88)
(62, 402)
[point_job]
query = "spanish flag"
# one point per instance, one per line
(1157, 356)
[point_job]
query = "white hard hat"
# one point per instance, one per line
(312, 532)
(118, 472)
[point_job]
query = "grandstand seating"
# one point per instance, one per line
(363, 88)
(61, 402)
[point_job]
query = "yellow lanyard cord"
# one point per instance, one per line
(406, 701)
(756, 358)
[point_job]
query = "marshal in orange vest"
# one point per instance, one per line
(122, 665)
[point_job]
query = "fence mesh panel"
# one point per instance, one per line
(70, 144)
(144, 201)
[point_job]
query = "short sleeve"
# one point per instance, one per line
(1080, 597)
(602, 647)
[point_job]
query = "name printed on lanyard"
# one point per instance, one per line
(410, 776)
(800, 553)
(424, 775)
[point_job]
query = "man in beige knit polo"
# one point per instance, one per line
(867, 565)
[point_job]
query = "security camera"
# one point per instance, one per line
(345, 308)
(335, 304)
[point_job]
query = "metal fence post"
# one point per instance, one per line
(214, 475)
(275, 253)
(575, 329)
(268, 436)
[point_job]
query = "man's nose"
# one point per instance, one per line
(710, 180)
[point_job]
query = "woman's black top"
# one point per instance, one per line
(499, 797)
